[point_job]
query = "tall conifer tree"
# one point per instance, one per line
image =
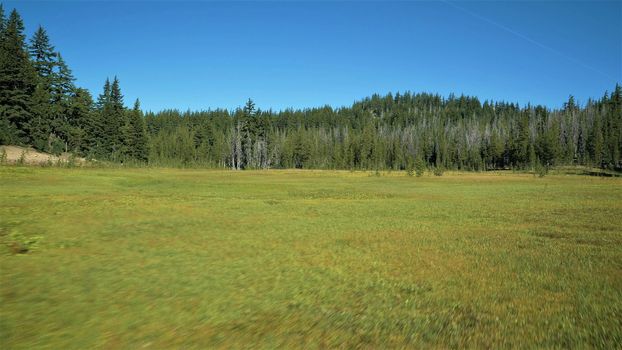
(17, 83)
(43, 56)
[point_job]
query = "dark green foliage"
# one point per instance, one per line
(2, 21)
(112, 125)
(40, 124)
(541, 170)
(301, 150)
(135, 135)
(173, 147)
(62, 81)
(410, 169)
(80, 118)
(104, 98)
(43, 57)
(378, 133)
(17, 82)
(419, 167)
(41, 106)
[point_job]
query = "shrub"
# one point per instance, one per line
(21, 244)
(541, 170)
(22, 158)
(71, 161)
(419, 167)
(3, 157)
(57, 146)
(438, 171)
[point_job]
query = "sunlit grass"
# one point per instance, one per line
(193, 259)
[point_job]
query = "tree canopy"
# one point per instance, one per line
(41, 106)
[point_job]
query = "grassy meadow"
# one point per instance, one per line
(172, 258)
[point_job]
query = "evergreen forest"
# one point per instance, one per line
(41, 107)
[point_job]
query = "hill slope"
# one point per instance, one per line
(18, 154)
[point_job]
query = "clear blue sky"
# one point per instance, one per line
(202, 55)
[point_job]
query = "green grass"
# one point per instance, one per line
(164, 258)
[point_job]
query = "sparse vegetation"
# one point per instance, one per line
(22, 158)
(18, 243)
(419, 167)
(438, 171)
(410, 169)
(541, 170)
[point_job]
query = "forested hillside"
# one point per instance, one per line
(41, 106)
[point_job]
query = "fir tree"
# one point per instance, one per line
(81, 122)
(62, 81)
(113, 118)
(2, 21)
(135, 134)
(17, 83)
(248, 130)
(596, 142)
(98, 140)
(43, 56)
(40, 125)
(104, 97)
(62, 94)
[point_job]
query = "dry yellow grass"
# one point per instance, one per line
(24, 155)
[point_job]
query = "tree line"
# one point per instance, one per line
(395, 132)
(41, 106)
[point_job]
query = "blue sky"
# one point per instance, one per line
(201, 55)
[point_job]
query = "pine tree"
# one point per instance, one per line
(248, 132)
(521, 153)
(63, 87)
(98, 139)
(596, 142)
(2, 21)
(113, 115)
(549, 147)
(126, 150)
(249, 108)
(139, 133)
(301, 150)
(62, 93)
(110, 139)
(17, 82)
(40, 124)
(43, 57)
(81, 121)
(613, 142)
(134, 135)
(104, 98)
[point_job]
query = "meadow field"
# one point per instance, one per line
(173, 258)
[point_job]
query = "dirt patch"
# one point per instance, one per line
(23, 155)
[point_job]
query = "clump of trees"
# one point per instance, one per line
(41, 106)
